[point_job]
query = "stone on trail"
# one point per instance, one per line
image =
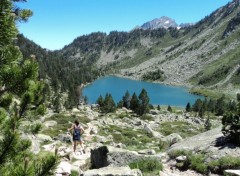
(113, 171)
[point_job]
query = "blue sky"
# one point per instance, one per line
(57, 22)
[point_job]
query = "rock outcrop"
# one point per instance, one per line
(110, 156)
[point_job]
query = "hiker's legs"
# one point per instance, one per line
(74, 145)
(82, 146)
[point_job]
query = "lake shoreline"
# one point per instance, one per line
(185, 85)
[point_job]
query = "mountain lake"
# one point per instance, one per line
(159, 94)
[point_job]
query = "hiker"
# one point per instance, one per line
(77, 132)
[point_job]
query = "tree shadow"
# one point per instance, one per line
(224, 142)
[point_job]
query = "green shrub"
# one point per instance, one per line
(193, 161)
(153, 75)
(130, 142)
(74, 173)
(180, 127)
(121, 116)
(197, 163)
(231, 125)
(117, 137)
(41, 109)
(148, 165)
(163, 145)
(227, 162)
(147, 117)
(175, 153)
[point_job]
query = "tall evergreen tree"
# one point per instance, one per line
(211, 105)
(188, 107)
(143, 102)
(197, 105)
(20, 89)
(238, 97)
(231, 125)
(108, 104)
(220, 106)
(120, 104)
(169, 108)
(126, 100)
(100, 101)
(134, 103)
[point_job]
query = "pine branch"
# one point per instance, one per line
(46, 166)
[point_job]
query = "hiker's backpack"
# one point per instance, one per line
(76, 131)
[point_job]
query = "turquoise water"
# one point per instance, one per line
(159, 94)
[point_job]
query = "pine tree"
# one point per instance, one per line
(231, 125)
(108, 104)
(126, 100)
(220, 106)
(197, 105)
(134, 103)
(169, 108)
(207, 124)
(143, 102)
(100, 101)
(188, 107)
(120, 104)
(211, 105)
(21, 94)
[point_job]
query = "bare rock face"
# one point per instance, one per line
(113, 171)
(199, 141)
(211, 142)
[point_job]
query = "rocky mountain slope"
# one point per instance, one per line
(113, 141)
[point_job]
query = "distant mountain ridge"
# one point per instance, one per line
(162, 22)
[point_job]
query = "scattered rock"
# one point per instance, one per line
(64, 168)
(64, 137)
(232, 172)
(154, 112)
(172, 138)
(113, 171)
(147, 152)
(51, 123)
(181, 158)
(44, 138)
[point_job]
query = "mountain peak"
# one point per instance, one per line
(162, 22)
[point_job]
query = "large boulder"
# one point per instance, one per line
(64, 168)
(172, 138)
(110, 156)
(113, 171)
(154, 111)
(44, 138)
(50, 123)
(64, 138)
(153, 133)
